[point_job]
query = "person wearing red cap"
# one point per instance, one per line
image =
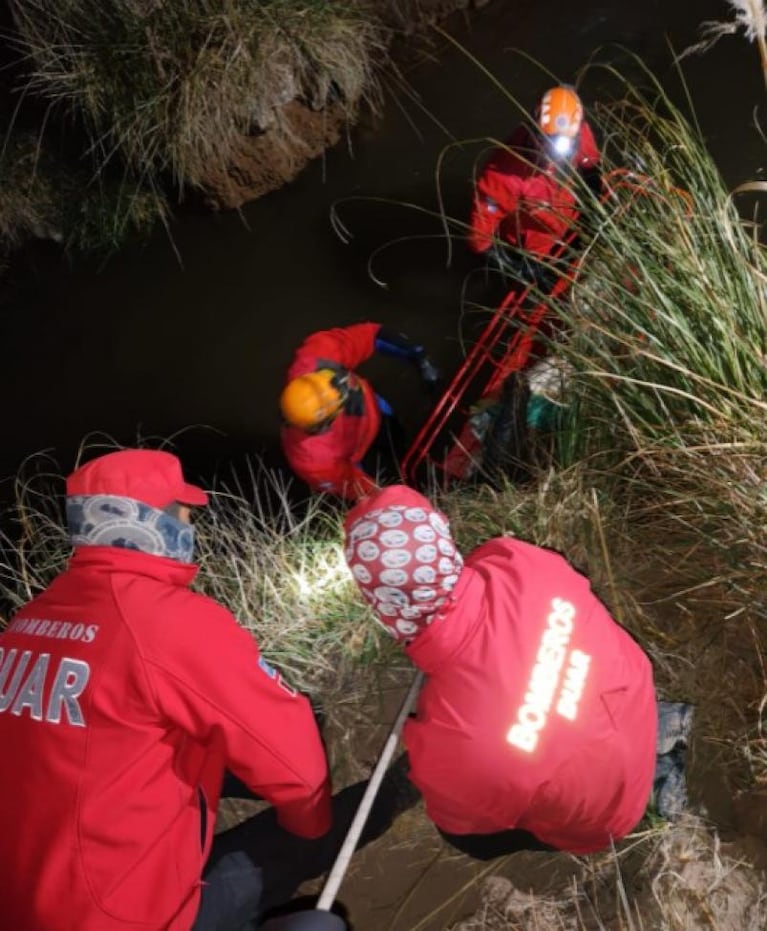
(124, 698)
(525, 196)
(337, 432)
(536, 727)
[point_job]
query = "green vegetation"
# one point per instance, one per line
(665, 335)
(659, 493)
(170, 87)
(44, 196)
(146, 99)
(282, 574)
(667, 322)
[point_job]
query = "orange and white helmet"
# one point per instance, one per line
(560, 117)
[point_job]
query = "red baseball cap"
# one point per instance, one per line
(148, 475)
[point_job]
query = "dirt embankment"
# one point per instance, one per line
(272, 156)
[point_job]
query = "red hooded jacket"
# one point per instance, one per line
(123, 697)
(520, 198)
(330, 461)
(538, 710)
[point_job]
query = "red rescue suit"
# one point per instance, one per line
(330, 461)
(524, 198)
(538, 710)
(123, 698)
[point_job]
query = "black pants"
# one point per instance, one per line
(256, 866)
(490, 846)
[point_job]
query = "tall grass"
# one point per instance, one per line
(665, 328)
(279, 570)
(668, 315)
(282, 573)
(171, 85)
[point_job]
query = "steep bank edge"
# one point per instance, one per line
(269, 159)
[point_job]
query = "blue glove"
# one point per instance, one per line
(391, 343)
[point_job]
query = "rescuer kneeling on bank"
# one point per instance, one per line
(336, 429)
(536, 727)
(124, 699)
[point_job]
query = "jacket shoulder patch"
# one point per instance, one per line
(276, 676)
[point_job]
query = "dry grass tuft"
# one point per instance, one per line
(281, 573)
(750, 16)
(171, 86)
(46, 197)
(680, 878)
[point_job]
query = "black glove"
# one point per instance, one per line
(592, 178)
(398, 345)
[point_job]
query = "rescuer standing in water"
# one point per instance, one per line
(536, 727)
(335, 432)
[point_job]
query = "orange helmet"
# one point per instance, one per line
(312, 399)
(560, 117)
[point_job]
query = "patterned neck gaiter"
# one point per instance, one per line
(403, 559)
(109, 520)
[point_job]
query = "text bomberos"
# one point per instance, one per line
(544, 680)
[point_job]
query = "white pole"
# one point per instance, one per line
(336, 875)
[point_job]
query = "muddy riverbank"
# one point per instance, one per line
(272, 156)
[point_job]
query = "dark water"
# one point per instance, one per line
(147, 345)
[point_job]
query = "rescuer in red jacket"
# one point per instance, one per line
(525, 196)
(332, 418)
(537, 722)
(124, 697)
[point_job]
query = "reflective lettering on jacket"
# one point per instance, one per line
(23, 691)
(60, 630)
(575, 679)
(545, 678)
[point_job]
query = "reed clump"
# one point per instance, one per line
(665, 332)
(170, 87)
(46, 196)
(280, 568)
